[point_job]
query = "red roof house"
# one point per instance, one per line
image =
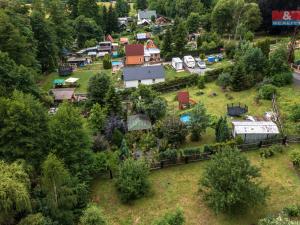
(109, 38)
(134, 54)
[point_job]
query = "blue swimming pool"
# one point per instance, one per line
(185, 118)
(116, 63)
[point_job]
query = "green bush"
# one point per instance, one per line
(295, 113)
(171, 218)
(107, 62)
(224, 80)
(169, 154)
(201, 82)
(132, 182)
(282, 79)
(230, 49)
(292, 211)
(190, 151)
(267, 153)
(178, 83)
(266, 91)
(295, 158)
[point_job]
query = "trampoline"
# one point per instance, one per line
(237, 109)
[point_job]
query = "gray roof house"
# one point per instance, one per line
(147, 75)
(146, 15)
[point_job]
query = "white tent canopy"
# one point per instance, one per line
(71, 80)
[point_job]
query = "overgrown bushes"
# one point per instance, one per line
(267, 91)
(132, 182)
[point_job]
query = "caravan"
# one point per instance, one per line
(177, 64)
(189, 61)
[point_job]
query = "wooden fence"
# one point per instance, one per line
(206, 156)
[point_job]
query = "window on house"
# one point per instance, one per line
(153, 81)
(139, 81)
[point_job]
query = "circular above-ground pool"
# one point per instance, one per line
(185, 118)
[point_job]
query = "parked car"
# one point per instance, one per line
(200, 63)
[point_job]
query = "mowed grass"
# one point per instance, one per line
(217, 105)
(83, 73)
(171, 74)
(178, 186)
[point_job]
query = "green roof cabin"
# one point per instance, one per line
(138, 122)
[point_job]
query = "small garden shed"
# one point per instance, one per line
(254, 131)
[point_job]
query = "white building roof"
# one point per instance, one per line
(177, 60)
(71, 80)
(255, 127)
(150, 51)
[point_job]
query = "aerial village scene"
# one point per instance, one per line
(150, 112)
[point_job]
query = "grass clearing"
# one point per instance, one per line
(297, 54)
(178, 186)
(171, 74)
(83, 73)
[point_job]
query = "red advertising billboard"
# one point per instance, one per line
(286, 18)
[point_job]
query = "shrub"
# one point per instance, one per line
(100, 143)
(201, 82)
(295, 113)
(267, 153)
(132, 182)
(169, 154)
(190, 151)
(173, 130)
(117, 137)
(295, 158)
(224, 80)
(230, 48)
(292, 211)
(267, 91)
(282, 79)
(107, 62)
(171, 218)
(249, 36)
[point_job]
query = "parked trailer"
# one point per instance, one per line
(177, 63)
(189, 61)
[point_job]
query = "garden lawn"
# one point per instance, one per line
(178, 186)
(218, 105)
(83, 74)
(171, 74)
(297, 54)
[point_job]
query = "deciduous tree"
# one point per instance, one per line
(228, 183)
(132, 182)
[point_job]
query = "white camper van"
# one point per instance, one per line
(177, 63)
(189, 61)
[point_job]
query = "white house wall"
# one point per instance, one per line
(135, 83)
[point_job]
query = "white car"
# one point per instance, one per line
(201, 64)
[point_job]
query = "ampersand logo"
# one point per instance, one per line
(286, 15)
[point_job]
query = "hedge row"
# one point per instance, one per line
(175, 84)
(174, 154)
